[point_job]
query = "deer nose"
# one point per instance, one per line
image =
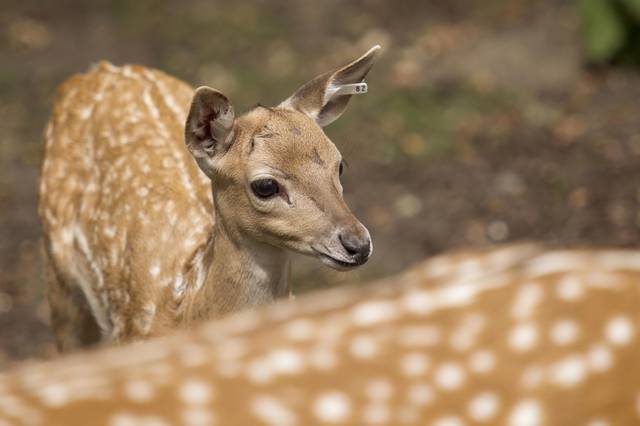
(357, 245)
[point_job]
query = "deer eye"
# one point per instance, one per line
(341, 168)
(265, 188)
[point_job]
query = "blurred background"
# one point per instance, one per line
(486, 122)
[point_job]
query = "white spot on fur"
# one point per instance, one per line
(153, 110)
(376, 414)
(259, 371)
(123, 419)
(197, 416)
(232, 349)
(299, 329)
(195, 391)
(54, 395)
(527, 412)
(193, 355)
(599, 358)
(286, 361)
(617, 260)
(139, 391)
(523, 337)
(323, 358)
(332, 407)
(418, 302)
(85, 112)
(598, 422)
(449, 376)
(143, 191)
(465, 335)
(564, 332)
(556, 262)
(370, 313)
(419, 336)
(414, 364)
(483, 407)
(448, 421)
(272, 411)
(527, 298)
(570, 288)
(482, 361)
(619, 330)
(568, 372)
(457, 295)
(154, 270)
(363, 347)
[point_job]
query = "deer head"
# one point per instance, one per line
(276, 174)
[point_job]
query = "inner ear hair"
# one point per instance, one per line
(209, 126)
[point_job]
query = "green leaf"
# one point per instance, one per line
(633, 7)
(603, 28)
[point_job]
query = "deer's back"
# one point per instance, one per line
(119, 189)
(516, 336)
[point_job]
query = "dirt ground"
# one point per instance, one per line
(482, 125)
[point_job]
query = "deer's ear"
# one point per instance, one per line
(209, 126)
(324, 98)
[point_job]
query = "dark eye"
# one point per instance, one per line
(265, 188)
(341, 168)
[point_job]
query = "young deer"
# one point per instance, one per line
(140, 241)
(516, 336)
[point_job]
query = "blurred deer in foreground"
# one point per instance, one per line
(136, 242)
(517, 336)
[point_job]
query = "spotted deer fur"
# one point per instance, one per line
(512, 336)
(140, 238)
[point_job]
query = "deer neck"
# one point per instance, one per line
(238, 273)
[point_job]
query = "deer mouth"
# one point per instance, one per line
(336, 263)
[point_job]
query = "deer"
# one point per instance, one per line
(517, 335)
(161, 208)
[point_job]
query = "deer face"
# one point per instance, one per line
(276, 175)
(291, 185)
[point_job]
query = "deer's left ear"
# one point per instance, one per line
(325, 97)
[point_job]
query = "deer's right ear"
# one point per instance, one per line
(209, 127)
(325, 97)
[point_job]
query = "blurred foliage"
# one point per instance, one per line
(611, 30)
